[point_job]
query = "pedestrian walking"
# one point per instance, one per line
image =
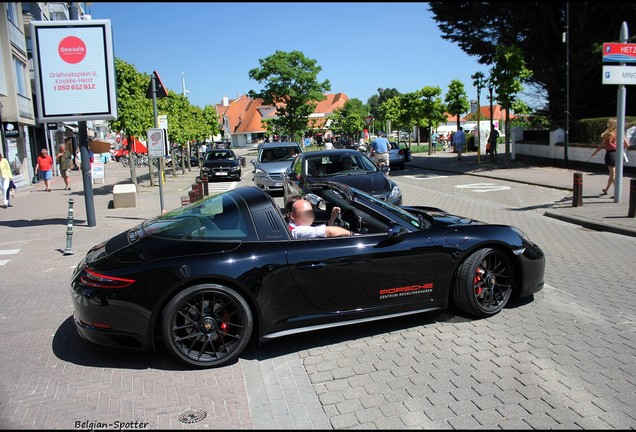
(608, 142)
(64, 159)
(6, 180)
(44, 168)
(491, 143)
(459, 141)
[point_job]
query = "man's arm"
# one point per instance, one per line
(336, 231)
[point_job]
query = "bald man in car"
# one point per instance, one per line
(301, 218)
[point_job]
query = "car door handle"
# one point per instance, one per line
(310, 266)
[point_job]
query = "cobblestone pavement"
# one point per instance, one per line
(564, 359)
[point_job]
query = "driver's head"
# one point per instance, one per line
(302, 212)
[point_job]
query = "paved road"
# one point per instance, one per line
(562, 360)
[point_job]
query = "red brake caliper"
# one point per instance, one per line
(477, 279)
(225, 316)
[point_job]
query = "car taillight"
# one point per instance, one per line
(98, 280)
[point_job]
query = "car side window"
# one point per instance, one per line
(219, 218)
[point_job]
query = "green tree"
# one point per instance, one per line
(508, 73)
(537, 30)
(177, 108)
(291, 84)
(431, 110)
(134, 111)
(393, 110)
(211, 121)
(457, 100)
(349, 120)
(375, 102)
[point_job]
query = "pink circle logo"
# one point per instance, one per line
(72, 49)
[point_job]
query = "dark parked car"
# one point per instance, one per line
(205, 279)
(221, 164)
(362, 174)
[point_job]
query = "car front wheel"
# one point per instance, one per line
(207, 325)
(484, 283)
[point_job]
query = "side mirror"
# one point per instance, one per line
(316, 201)
(293, 176)
(253, 162)
(395, 232)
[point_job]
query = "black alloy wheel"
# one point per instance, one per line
(484, 283)
(207, 325)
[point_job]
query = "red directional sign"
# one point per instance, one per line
(619, 52)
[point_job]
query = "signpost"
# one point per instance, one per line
(619, 53)
(621, 75)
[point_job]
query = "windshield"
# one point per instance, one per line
(411, 219)
(277, 154)
(341, 164)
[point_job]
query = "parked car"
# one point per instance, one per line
(224, 144)
(350, 167)
(272, 160)
(206, 279)
(396, 156)
(221, 164)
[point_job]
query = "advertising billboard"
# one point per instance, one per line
(74, 70)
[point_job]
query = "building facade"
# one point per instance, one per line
(22, 135)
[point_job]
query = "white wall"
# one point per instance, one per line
(552, 151)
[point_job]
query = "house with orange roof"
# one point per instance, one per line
(242, 118)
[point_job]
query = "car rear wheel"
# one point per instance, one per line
(484, 283)
(207, 325)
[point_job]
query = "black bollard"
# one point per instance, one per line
(632, 198)
(577, 201)
(69, 229)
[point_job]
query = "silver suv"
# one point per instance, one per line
(272, 161)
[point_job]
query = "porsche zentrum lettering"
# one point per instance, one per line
(406, 290)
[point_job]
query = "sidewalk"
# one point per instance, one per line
(597, 212)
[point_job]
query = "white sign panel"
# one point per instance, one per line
(74, 70)
(619, 75)
(156, 143)
(163, 121)
(97, 170)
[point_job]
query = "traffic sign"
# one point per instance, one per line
(619, 75)
(619, 53)
(156, 143)
(368, 120)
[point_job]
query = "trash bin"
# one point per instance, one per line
(243, 161)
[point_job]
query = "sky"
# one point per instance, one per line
(360, 47)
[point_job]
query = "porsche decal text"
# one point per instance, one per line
(406, 290)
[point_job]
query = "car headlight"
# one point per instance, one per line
(395, 193)
(235, 168)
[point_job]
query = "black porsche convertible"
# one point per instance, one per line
(206, 279)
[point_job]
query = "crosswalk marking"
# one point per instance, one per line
(483, 187)
(7, 252)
